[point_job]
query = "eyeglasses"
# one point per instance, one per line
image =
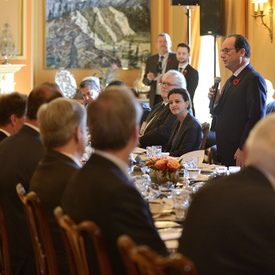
(226, 50)
(164, 84)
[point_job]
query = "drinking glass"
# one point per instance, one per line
(181, 202)
(149, 152)
(157, 149)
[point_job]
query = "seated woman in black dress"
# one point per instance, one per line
(187, 131)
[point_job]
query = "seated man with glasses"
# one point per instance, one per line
(157, 128)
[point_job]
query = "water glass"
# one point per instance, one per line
(149, 152)
(181, 202)
(157, 150)
(142, 184)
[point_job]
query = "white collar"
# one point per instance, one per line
(5, 132)
(32, 126)
(236, 73)
(72, 157)
(117, 161)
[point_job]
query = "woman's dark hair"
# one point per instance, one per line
(184, 93)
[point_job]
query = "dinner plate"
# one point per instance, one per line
(166, 224)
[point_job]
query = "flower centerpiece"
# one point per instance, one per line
(163, 169)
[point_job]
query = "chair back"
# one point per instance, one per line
(151, 263)
(125, 246)
(74, 240)
(5, 254)
(205, 130)
(45, 256)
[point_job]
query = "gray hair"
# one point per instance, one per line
(261, 144)
(58, 121)
(111, 118)
(178, 77)
(87, 82)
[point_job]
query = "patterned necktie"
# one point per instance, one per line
(159, 65)
(228, 84)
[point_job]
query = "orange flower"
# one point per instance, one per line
(173, 165)
(164, 164)
(161, 164)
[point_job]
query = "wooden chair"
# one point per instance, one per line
(74, 240)
(5, 254)
(45, 256)
(125, 246)
(205, 130)
(150, 263)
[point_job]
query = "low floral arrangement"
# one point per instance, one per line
(165, 167)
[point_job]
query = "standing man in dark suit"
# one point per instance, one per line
(157, 128)
(191, 74)
(102, 191)
(241, 103)
(62, 125)
(19, 155)
(157, 65)
(13, 108)
(230, 225)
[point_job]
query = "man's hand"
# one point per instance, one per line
(211, 93)
(239, 157)
(150, 76)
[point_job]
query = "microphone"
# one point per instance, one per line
(216, 86)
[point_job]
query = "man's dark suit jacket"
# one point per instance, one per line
(2, 136)
(238, 111)
(230, 225)
(101, 192)
(49, 181)
(19, 156)
(188, 139)
(151, 66)
(192, 79)
(159, 130)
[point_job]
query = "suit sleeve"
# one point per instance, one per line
(130, 214)
(159, 135)
(193, 83)
(145, 80)
(190, 139)
(255, 102)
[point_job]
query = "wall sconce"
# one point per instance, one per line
(259, 12)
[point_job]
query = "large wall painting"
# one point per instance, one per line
(97, 33)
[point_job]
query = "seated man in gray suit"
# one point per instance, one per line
(102, 191)
(19, 155)
(157, 128)
(62, 125)
(13, 108)
(229, 228)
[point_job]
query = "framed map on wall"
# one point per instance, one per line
(97, 33)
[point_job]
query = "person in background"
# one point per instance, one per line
(89, 90)
(187, 131)
(13, 108)
(101, 191)
(145, 108)
(270, 101)
(157, 65)
(62, 125)
(231, 219)
(19, 156)
(241, 103)
(157, 128)
(191, 74)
